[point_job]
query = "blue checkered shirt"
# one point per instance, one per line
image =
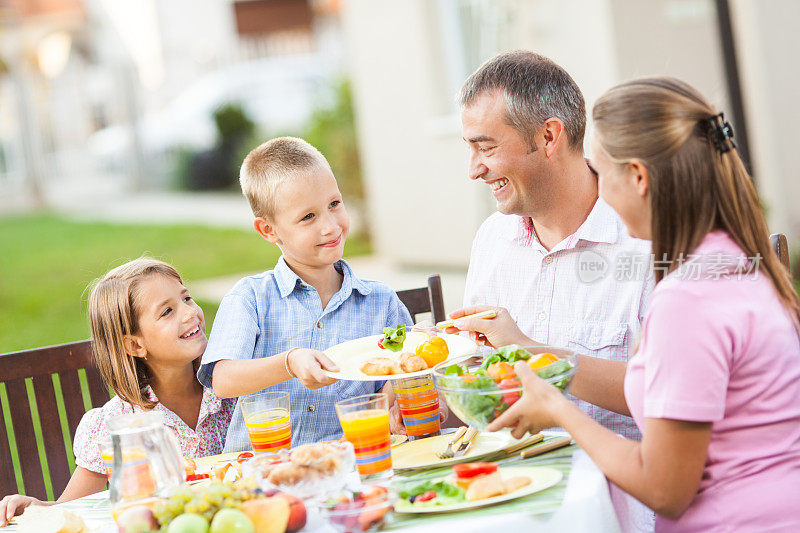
(269, 313)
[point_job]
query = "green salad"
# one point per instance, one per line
(480, 395)
(393, 338)
(432, 493)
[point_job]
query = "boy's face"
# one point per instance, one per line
(310, 223)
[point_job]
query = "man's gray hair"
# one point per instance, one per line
(535, 90)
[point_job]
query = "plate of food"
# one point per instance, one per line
(421, 453)
(472, 485)
(399, 353)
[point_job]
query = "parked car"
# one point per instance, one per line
(278, 94)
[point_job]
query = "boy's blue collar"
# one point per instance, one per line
(288, 281)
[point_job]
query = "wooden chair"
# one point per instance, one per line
(781, 247)
(35, 369)
(425, 299)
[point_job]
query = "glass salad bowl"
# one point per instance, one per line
(483, 387)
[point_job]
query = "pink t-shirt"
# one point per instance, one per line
(718, 346)
(208, 438)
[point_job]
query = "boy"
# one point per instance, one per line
(271, 328)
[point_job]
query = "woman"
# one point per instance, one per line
(715, 384)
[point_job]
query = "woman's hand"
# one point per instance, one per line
(537, 409)
(14, 504)
(308, 366)
(495, 332)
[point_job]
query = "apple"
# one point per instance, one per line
(137, 519)
(231, 521)
(297, 512)
(269, 515)
(188, 523)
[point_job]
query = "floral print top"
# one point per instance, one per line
(207, 439)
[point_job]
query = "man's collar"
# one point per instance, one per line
(288, 281)
(602, 225)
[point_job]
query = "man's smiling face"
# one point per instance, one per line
(501, 156)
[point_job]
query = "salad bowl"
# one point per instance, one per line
(483, 387)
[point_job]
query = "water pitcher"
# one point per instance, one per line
(147, 461)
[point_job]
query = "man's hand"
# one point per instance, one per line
(308, 365)
(495, 332)
(537, 409)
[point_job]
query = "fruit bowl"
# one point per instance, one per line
(309, 471)
(358, 511)
(482, 388)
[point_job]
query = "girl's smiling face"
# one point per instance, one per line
(172, 328)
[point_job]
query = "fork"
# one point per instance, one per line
(448, 452)
(466, 442)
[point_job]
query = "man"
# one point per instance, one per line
(555, 256)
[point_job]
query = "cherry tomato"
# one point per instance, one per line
(542, 361)
(509, 383)
(500, 371)
(380, 343)
(434, 351)
(468, 470)
(244, 455)
(425, 496)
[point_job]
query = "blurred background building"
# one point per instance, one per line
(104, 98)
(408, 59)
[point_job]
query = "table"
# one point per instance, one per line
(587, 506)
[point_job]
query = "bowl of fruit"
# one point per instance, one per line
(309, 471)
(357, 511)
(483, 387)
(218, 507)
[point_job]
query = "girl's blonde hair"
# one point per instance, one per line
(114, 309)
(697, 185)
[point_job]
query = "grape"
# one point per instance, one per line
(204, 500)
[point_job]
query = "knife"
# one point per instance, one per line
(466, 442)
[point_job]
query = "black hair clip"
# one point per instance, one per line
(721, 132)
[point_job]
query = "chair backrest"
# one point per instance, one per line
(46, 428)
(781, 247)
(425, 299)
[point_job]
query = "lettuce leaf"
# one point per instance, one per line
(445, 492)
(393, 338)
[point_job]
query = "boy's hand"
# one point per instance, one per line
(308, 364)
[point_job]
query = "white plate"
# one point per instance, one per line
(542, 478)
(421, 453)
(350, 356)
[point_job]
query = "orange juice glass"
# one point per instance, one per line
(365, 422)
(268, 421)
(107, 455)
(419, 406)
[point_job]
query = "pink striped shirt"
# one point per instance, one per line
(588, 293)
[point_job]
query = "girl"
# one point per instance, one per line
(715, 384)
(147, 337)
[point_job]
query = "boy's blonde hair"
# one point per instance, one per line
(272, 163)
(114, 310)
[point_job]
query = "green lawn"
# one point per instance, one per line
(47, 261)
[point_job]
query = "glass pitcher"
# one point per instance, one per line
(147, 461)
